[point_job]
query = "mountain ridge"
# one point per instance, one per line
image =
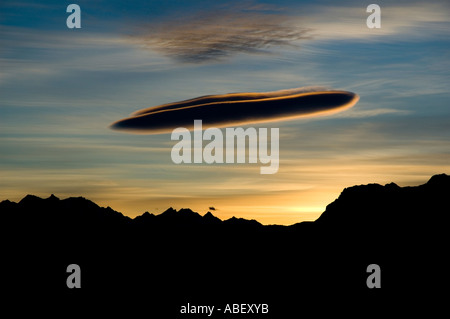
(438, 183)
(180, 256)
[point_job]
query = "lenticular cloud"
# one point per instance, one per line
(238, 109)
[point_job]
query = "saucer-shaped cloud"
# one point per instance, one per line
(238, 109)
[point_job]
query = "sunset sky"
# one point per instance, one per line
(61, 89)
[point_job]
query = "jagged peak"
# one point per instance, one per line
(183, 213)
(146, 215)
(439, 179)
(186, 211)
(234, 220)
(210, 218)
(52, 197)
(7, 203)
(29, 198)
(79, 198)
(169, 210)
(392, 185)
(209, 215)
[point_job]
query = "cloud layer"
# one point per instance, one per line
(214, 35)
(238, 109)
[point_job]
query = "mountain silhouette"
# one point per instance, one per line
(180, 256)
(75, 212)
(372, 205)
(357, 209)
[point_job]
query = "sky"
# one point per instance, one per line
(61, 89)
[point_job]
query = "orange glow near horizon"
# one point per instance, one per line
(284, 203)
(282, 208)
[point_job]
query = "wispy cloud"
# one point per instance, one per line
(409, 20)
(214, 35)
(370, 113)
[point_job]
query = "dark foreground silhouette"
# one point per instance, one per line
(153, 265)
